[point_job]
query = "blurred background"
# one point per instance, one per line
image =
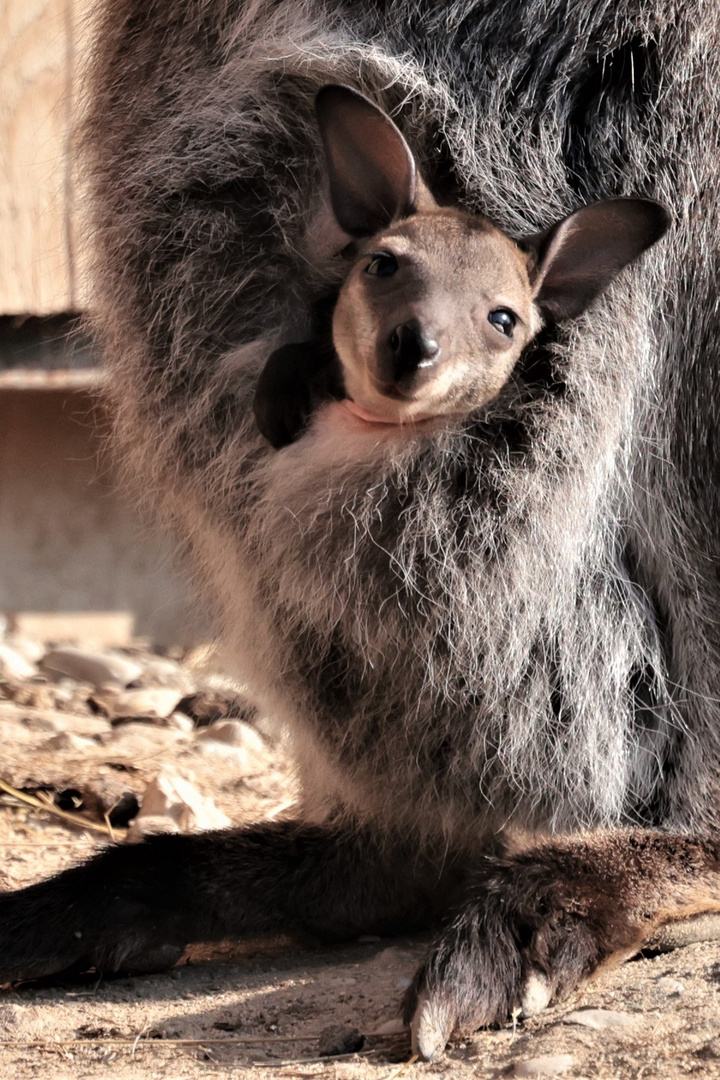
(75, 560)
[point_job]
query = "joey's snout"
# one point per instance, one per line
(410, 350)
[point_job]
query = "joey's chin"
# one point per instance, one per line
(385, 417)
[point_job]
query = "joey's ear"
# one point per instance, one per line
(581, 255)
(373, 178)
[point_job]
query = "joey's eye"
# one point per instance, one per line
(503, 320)
(382, 265)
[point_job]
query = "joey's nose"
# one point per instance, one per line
(411, 349)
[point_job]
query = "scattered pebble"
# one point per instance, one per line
(171, 796)
(13, 664)
(150, 825)
(339, 1039)
(549, 1065)
(602, 1019)
(66, 740)
(33, 651)
(234, 733)
(97, 668)
(179, 722)
(159, 671)
(153, 702)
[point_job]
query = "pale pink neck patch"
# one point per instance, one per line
(365, 414)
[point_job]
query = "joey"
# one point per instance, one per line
(437, 304)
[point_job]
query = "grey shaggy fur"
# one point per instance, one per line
(514, 621)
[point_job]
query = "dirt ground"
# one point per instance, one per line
(263, 1010)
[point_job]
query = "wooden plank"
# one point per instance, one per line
(37, 266)
(57, 379)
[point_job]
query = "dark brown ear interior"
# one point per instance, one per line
(579, 256)
(372, 172)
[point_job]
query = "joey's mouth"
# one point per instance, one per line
(359, 412)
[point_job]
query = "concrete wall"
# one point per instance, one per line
(69, 541)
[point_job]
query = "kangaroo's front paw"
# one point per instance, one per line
(533, 928)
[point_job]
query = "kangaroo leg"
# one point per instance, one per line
(134, 908)
(534, 925)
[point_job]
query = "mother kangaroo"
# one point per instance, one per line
(496, 639)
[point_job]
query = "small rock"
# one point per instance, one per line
(13, 665)
(549, 1065)
(155, 703)
(150, 825)
(234, 733)
(31, 650)
(66, 740)
(601, 1019)
(670, 986)
(168, 795)
(93, 667)
(339, 1039)
(244, 761)
(159, 671)
(180, 722)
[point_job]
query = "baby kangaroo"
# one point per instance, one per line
(438, 303)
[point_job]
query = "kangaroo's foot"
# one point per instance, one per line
(537, 924)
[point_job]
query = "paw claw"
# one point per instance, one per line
(431, 1027)
(536, 995)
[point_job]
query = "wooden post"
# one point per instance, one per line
(38, 262)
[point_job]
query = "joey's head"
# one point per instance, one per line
(439, 304)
